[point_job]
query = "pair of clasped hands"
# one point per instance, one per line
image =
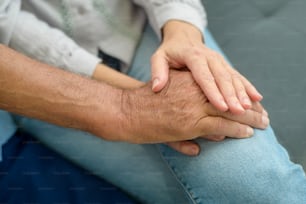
(196, 94)
(214, 100)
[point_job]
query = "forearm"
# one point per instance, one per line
(114, 78)
(40, 91)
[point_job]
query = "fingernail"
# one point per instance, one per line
(247, 102)
(265, 120)
(238, 105)
(260, 96)
(224, 104)
(193, 151)
(155, 83)
(250, 131)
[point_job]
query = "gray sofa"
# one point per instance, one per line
(266, 41)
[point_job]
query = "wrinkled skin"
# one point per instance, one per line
(181, 112)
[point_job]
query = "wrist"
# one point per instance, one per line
(130, 110)
(104, 117)
(114, 78)
(176, 28)
(138, 107)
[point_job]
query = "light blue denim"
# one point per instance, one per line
(254, 170)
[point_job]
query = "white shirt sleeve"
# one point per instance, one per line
(161, 11)
(38, 40)
(9, 10)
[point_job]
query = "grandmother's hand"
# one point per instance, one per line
(183, 47)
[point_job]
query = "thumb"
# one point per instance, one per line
(160, 72)
(189, 148)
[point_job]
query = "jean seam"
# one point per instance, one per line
(180, 180)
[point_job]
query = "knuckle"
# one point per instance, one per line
(222, 75)
(231, 98)
(203, 75)
(215, 55)
(202, 126)
(218, 125)
(236, 76)
(250, 87)
(240, 92)
(197, 51)
(225, 78)
(256, 119)
(240, 88)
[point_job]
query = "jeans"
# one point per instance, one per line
(253, 170)
(32, 173)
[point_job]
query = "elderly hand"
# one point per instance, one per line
(182, 47)
(181, 112)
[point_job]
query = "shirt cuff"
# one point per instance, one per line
(179, 11)
(82, 62)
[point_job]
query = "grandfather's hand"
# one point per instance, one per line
(181, 112)
(183, 47)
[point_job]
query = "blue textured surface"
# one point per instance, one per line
(31, 173)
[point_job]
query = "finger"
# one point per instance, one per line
(216, 138)
(238, 85)
(241, 93)
(250, 117)
(225, 83)
(223, 126)
(256, 106)
(204, 78)
(264, 112)
(251, 90)
(189, 148)
(160, 71)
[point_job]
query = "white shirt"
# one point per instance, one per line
(68, 33)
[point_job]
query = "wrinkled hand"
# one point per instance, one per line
(181, 112)
(191, 148)
(182, 47)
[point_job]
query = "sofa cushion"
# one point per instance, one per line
(266, 41)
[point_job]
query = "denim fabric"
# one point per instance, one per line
(254, 170)
(32, 173)
(7, 129)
